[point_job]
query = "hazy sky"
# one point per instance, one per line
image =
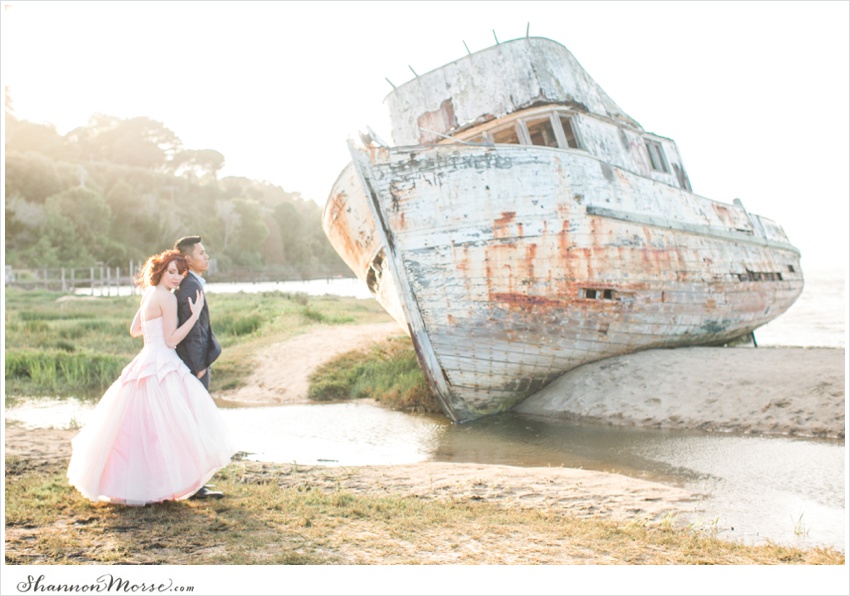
(754, 93)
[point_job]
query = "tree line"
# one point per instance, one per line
(121, 189)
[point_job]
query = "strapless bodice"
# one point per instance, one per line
(156, 358)
(153, 333)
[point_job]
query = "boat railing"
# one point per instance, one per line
(484, 143)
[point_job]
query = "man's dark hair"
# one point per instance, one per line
(186, 244)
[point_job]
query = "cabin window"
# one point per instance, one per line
(682, 177)
(760, 276)
(506, 135)
(569, 132)
(599, 294)
(540, 132)
(656, 156)
(549, 129)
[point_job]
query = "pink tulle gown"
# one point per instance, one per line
(156, 434)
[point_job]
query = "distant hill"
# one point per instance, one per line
(120, 189)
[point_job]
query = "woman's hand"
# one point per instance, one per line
(197, 306)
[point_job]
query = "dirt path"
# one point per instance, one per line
(280, 375)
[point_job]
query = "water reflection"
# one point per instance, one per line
(62, 413)
(523, 440)
(340, 286)
(332, 434)
(755, 488)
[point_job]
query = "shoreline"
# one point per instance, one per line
(797, 391)
(584, 493)
(777, 390)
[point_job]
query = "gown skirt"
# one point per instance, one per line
(156, 434)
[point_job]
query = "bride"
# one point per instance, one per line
(156, 434)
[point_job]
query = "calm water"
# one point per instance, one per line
(817, 319)
(343, 286)
(756, 488)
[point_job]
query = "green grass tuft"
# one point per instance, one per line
(388, 373)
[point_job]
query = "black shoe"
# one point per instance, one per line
(205, 493)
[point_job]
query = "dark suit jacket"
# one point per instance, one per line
(199, 348)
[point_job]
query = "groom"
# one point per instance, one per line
(199, 348)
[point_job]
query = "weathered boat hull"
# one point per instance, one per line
(525, 224)
(510, 265)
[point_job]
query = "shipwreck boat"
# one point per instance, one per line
(523, 225)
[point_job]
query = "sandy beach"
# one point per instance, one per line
(791, 391)
(798, 391)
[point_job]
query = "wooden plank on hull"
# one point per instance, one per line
(424, 351)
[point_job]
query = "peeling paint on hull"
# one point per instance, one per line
(510, 265)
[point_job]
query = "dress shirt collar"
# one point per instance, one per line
(198, 277)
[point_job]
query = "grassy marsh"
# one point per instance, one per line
(60, 345)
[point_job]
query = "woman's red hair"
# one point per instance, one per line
(151, 272)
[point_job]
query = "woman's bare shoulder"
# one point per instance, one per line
(166, 298)
(156, 301)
